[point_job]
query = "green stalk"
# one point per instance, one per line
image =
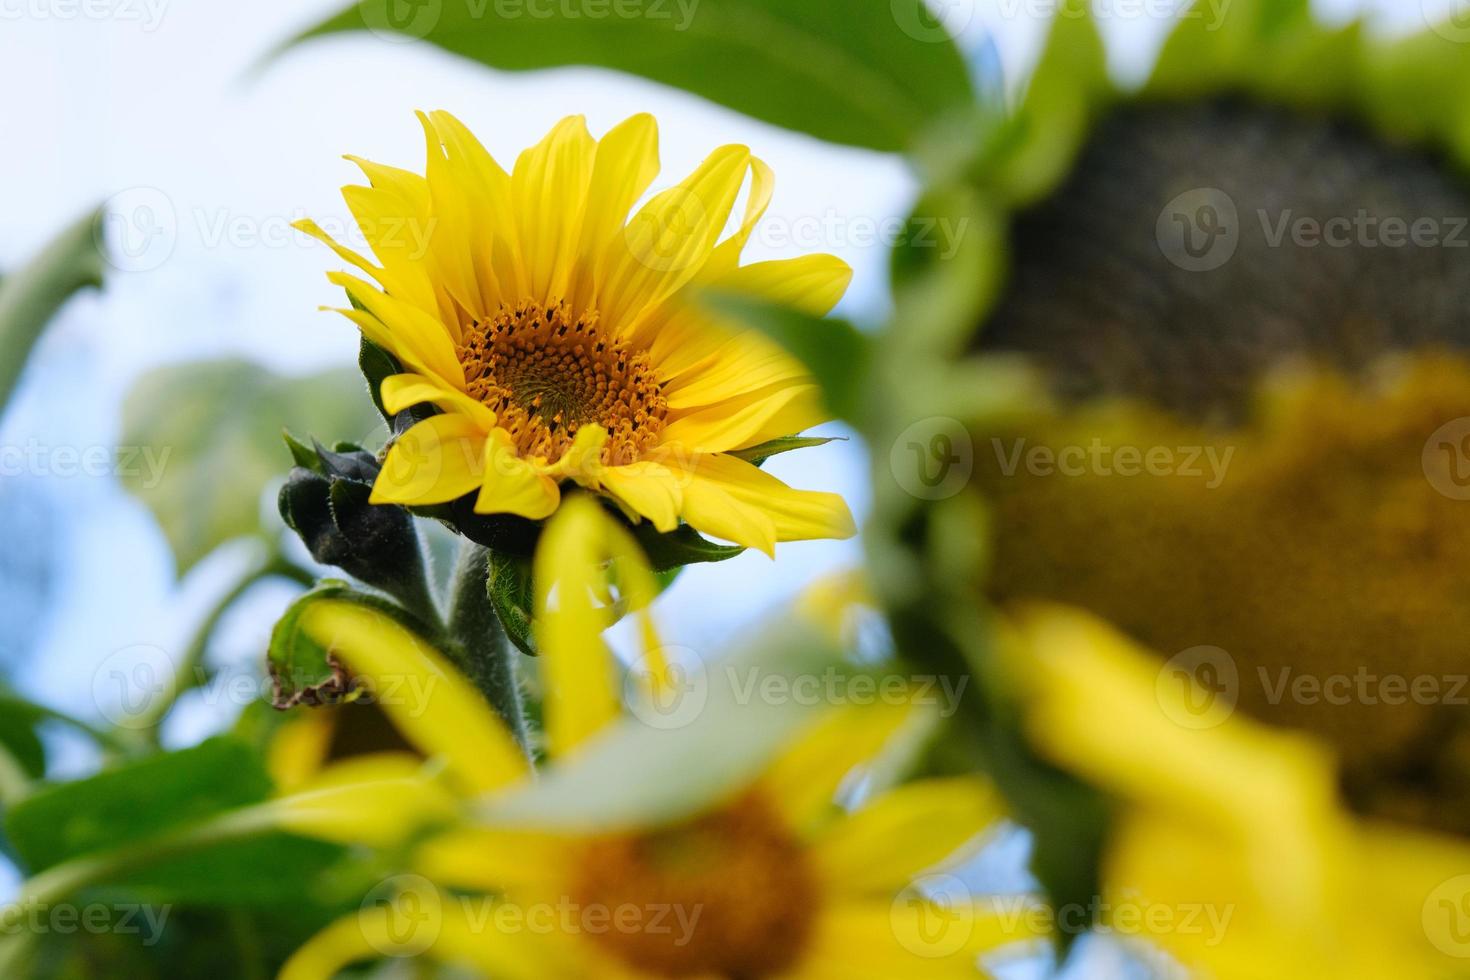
(480, 645)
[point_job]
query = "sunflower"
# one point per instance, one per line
(766, 877)
(1221, 321)
(561, 341)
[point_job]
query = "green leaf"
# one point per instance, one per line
(375, 363)
(143, 799)
(1070, 83)
(202, 441)
(270, 870)
(301, 668)
(31, 295)
(512, 594)
(681, 546)
(871, 74)
(775, 447)
(836, 353)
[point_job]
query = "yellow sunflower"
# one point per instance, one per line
(561, 340)
(768, 877)
(1230, 829)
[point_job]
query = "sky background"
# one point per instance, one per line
(164, 102)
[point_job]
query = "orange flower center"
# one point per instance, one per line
(729, 894)
(546, 374)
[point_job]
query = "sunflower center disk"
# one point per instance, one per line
(546, 374)
(1262, 462)
(729, 894)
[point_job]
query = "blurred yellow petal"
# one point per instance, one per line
(374, 800)
(804, 780)
(905, 831)
(429, 702)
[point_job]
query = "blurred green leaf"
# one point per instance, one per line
(140, 800)
(31, 295)
(206, 442)
(265, 871)
(871, 74)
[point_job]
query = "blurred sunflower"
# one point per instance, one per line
(560, 340)
(1238, 295)
(768, 877)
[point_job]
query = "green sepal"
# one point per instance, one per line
(305, 672)
(376, 364)
(513, 596)
(679, 547)
(784, 444)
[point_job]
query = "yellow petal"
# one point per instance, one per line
(401, 391)
(804, 780)
(430, 703)
(496, 860)
(419, 340)
(915, 938)
(729, 489)
(904, 832)
(549, 192)
(668, 240)
(726, 255)
(746, 420)
(576, 664)
(511, 485)
(420, 922)
(625, 164)
(373, 800)
(650, 489)
(438, 460)
(809, 283)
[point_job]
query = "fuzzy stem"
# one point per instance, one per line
(484, 652)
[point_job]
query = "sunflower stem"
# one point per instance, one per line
(484, 652)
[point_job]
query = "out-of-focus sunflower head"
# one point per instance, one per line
(1239, 294)
(525, 334)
